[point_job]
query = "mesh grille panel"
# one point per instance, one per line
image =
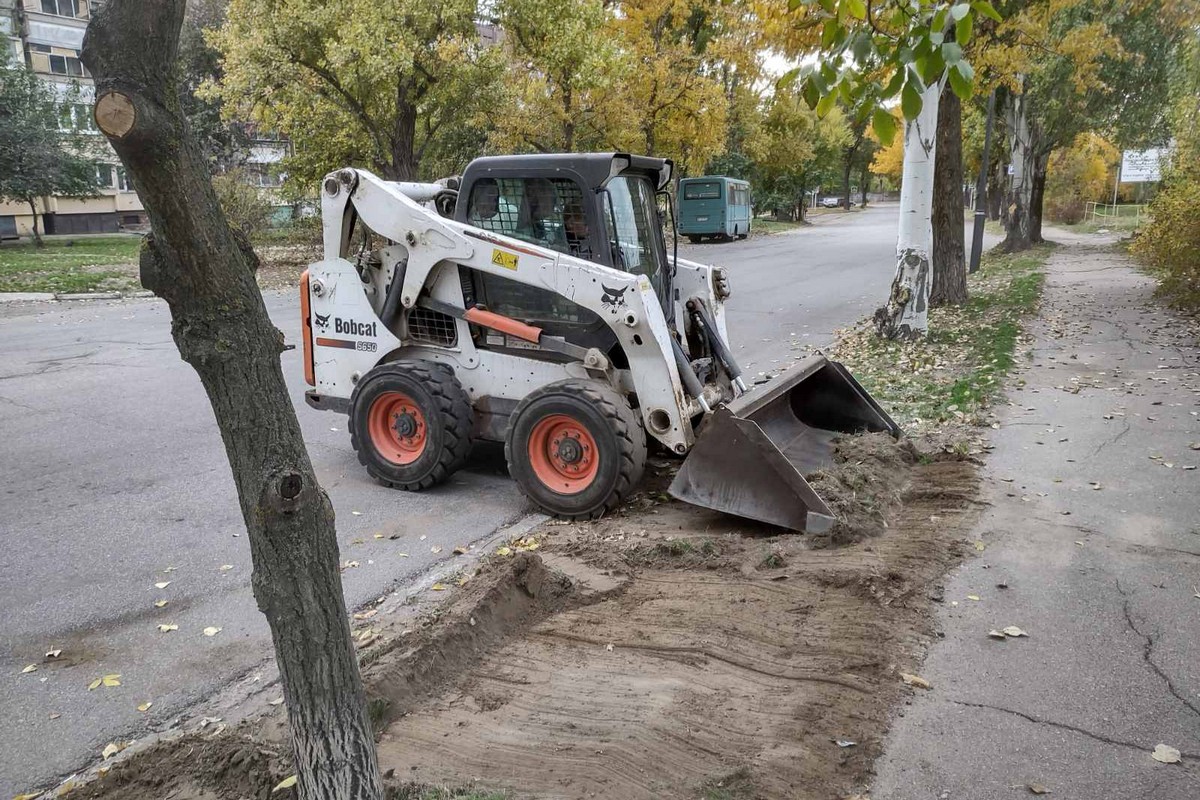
(434, 327)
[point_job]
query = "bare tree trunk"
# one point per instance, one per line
(1019, 198)
(864, 184)
(1037, 197)
(403, 163)
(195, 262)
(949, 262)
(37, 237)
(995, 195)
(906, 315)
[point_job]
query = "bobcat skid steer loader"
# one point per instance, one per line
(534, 302)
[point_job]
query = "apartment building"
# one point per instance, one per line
(47, 35)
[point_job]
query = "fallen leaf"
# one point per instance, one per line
(1014, 631)
(438, 587)
(463, 580)
(435, 549)
(290, 780)
(1166, 754)
(30, 668)
(162, 584)
(277, 701)
(144, 707)
(379, 536)
(95, 684)
(1096, 486)
(358, 540)
(28, 796)
(169, 570)
(226, 567)
(1037, 788)
(504, 551)
(844, 743)
(915, 681)
(972, 597)
(111, 680)
(212, 630)
(460, 551)
(55, 715)
(167, 628)
(53, 653)
(160, 603)
(356, 513)
(997, 634)
(110, 750)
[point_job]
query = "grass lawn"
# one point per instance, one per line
(762, 225)
(83, 264)
(956, 372)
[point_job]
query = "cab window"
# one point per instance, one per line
(542, 211)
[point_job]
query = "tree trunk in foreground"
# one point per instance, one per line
(219, 322)
(949, 262)
(906, 315)
(1019, 197)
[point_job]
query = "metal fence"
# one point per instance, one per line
(1108, 213)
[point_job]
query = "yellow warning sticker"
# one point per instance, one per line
(503, 259)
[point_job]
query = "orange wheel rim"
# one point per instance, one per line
(397, 428)
(563, 454)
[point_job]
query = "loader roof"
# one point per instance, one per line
(594, 169)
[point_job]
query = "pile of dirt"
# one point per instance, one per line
(664, 652)
(731, 656)
(195, 767)
(867, 480)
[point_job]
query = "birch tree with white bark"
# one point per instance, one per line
(870, 52)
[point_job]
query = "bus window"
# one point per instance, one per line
(706, 190)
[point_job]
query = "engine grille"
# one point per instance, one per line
(433, 327)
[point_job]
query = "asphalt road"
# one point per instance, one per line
(115, 480)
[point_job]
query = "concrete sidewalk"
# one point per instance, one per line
(1092, 547)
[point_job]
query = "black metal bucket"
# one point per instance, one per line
(751, 456)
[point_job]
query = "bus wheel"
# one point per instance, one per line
(695, 239)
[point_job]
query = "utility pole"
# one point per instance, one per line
(981, 187)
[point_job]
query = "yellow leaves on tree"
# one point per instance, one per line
(355, 82)
(1078, 174)
(889, 161)
(585, 74)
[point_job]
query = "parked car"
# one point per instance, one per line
(834, 202)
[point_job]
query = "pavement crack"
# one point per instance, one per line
(1099, 737)
(1148, 652)
(1113, 439)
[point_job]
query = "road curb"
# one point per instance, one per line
(45, 297)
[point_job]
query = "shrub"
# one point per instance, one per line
(246, 207)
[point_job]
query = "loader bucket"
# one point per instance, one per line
(751, 456)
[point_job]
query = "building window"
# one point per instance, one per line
(60, 8)
(123, 180)
(104, 176)
(40, 48)
(66, 65)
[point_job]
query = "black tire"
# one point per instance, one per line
(444, 424)
(744, 235)
(695, 239)
(614, 428)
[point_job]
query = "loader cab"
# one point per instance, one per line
(601, 207)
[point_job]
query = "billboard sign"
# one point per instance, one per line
(1142, 166)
